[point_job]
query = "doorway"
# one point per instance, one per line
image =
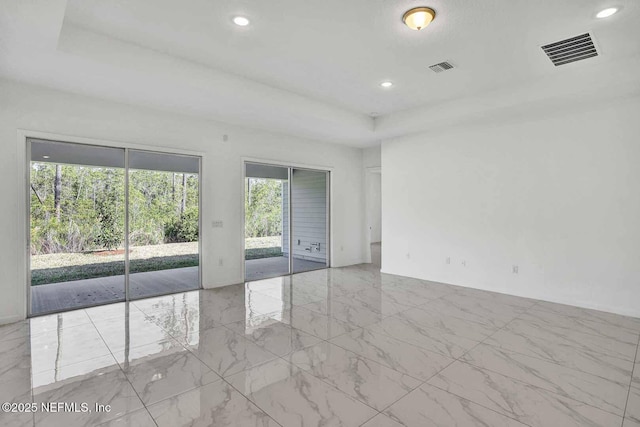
(286, 220)
(109, 224)
(373, 208)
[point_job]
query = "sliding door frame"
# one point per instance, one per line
(327, 170)
(24, 148)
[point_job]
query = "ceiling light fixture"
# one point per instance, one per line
(605, 13)
(45, 157)
(241, 21)
(418, 17)
(386, 84)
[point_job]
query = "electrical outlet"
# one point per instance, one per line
(464, 262)
(217, 224)
(448, 261)
(341, 248)
(408, 255)
(220, 262)
(515, 269)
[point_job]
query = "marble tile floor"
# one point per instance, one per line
(336, 347)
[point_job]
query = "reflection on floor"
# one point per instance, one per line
(256, 269)
(376, 254)
(84, 293)
(343, 346)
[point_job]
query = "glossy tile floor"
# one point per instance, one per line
(337, 347)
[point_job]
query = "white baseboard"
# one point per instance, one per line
(546, 298)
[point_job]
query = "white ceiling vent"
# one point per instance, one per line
(571, 50)
(442, 66)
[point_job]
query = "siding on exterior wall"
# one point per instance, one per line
(309, 195)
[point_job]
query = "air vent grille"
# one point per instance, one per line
(442, 66)
(571, 50)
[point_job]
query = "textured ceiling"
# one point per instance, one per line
(313, 68)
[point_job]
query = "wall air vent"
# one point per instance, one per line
(571, 50)
(443, 66)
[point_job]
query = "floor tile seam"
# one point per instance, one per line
(405, 342)
(123, 373)
(226, 325)
(387, 366)
(250, 400)
(382, 332)
(418, 386)
(441, 331)
(633, 369)
(578, 318)
(549, 341)
(488, 337)
(262, 347)
(569, 330)
(192, 351)
(463, 319)
(500, 304)
(333, 386)
(637, 333)
(483, 300)
(363, 357)
(535, 357)
(565, 344)
(593, 319)
(522, 382)
(144, 405)
(481, 405)
(542, 388)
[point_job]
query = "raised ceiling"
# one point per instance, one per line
(313, 68)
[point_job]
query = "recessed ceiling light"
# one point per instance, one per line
(605, 13)
(241, 21)
(418, 17)
(386, 84)
(45, 157)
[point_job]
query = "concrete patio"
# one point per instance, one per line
(256, 269)
(88, 292)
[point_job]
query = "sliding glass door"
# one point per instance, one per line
(286, 220)
(266, 220)
(85, 249)
(309, 219)
(163, 224)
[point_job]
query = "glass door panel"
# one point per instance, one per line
(266, 221)
(309, 217)
(76, 218)
(164, 223)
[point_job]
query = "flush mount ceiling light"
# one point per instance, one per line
(241, 21)
(605, 13)
(386, 84)
(418, 17)
(46, 157)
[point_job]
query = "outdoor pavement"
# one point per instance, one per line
(88, 292)
(256, 269)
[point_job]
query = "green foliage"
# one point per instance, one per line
(110, 235)
(263, 207)
(183, 229)
(92, 208)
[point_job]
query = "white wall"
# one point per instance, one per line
(371, 162)
(374, 206)
(38, 109)
(557, 194)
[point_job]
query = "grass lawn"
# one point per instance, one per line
(262, 247)
(64, 267)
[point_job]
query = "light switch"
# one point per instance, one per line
(217, 223)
